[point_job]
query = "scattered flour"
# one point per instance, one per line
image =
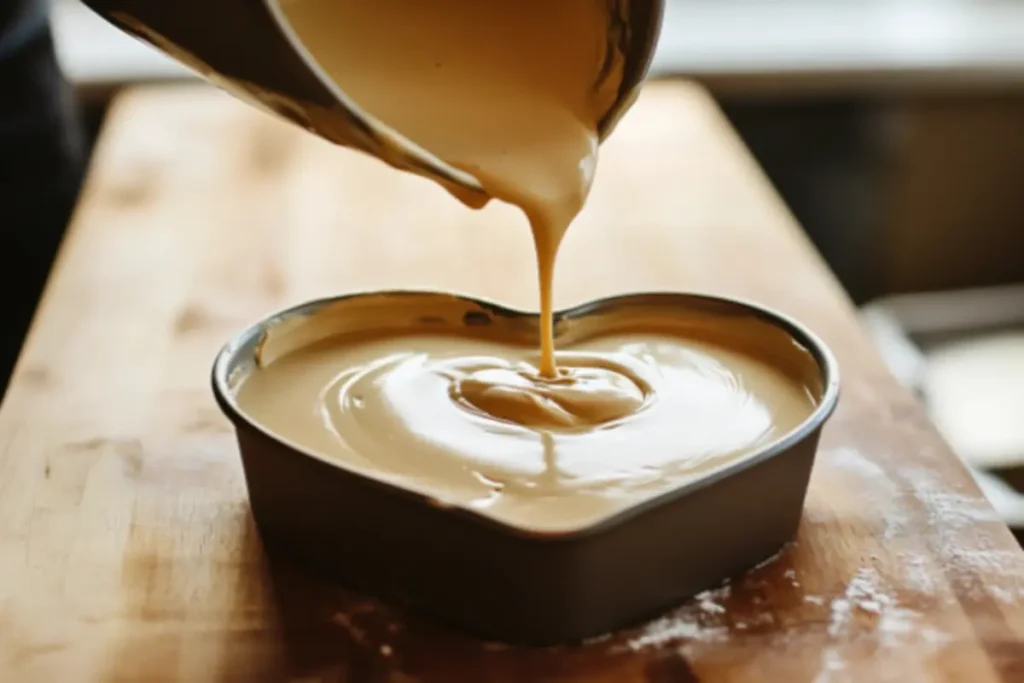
(866, 596)
(664, 631)
(992, 562)
(598, 639)
(1002, 595)
(866, 612)
(851, 460)
(709, 601)
(770, 560)
(831, 663)
(957, 514)
(916, 573)
(715, 593)
(862, 592)
(694, 625)
(711, 607)
(949, 509)
(702, 621)
(883, 490)
(868, 609)
(895, 623)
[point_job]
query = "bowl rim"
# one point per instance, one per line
(824, 358)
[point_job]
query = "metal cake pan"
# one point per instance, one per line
(498, 581)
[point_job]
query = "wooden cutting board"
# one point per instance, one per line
(127, 550)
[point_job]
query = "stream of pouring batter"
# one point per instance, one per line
(510, 92)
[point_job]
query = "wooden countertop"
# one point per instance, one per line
(127, 551)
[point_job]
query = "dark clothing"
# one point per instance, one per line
(41, 164)
(20, 22)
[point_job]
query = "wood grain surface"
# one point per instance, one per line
(127, 550)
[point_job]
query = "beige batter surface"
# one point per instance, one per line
(464, 420)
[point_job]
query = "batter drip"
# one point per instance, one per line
(512, 93)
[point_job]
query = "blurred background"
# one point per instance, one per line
(891, 127)
(894, 130)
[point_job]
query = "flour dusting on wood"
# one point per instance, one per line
(880, 490)
(670, 629)
(948, 508)
(868, 609)
(701, 621)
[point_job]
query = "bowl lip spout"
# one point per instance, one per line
(243, 347)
